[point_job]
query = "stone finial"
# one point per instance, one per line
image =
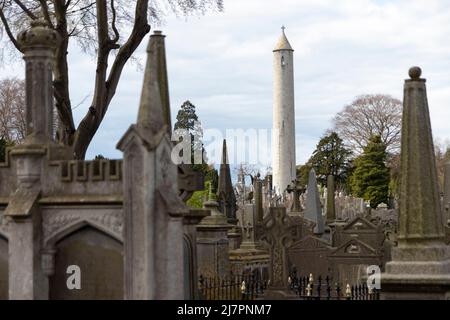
(154, 110)
(420, 216)
(151, 113)
(211, 195)
(415, 73)
(225, 159)
(216, 217)
(38, 36)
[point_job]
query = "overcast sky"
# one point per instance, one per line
(222, 63)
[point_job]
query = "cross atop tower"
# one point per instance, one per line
(282, 28)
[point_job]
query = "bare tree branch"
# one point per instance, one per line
(8, 30)
(46, 13)
(25, 9)
(367, 116)
(113, 23)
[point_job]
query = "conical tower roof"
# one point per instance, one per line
(283, 42)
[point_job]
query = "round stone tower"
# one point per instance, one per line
(283, 139)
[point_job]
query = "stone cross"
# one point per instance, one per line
(248, 229)
(277, 234)
(297, 191)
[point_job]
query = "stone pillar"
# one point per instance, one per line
(420, 266)
(190, 221)
(38, 45)
(153, 211)
(212, 242)
(283, 140)
(258, 195)
(27, 279)
(331, 209)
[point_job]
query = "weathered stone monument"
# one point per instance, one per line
(212, 242)
(249, 256)
(295, 190)
(225, 192)
(27, 277)
(278, 238)
(121, 224)
(313, 207)
(190, 222)
(153, 212)
(283, 140)
(420, 266)
(258, 196)
(227, 199)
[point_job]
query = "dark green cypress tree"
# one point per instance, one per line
(187, 119)
(331, 157)
(370, 178)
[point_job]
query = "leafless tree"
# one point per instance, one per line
(111, 30)
(442, 154)
(12, 110)
(370, 115)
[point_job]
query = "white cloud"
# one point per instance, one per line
(222, 62)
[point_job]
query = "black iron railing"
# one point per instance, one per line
(307, 288)
(231, 288)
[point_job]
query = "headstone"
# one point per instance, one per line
(331, 208)
(258, 196)
(313, 208)
(420, 266)
(277, 235)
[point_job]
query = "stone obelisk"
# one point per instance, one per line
(283, 138)
(420, 266)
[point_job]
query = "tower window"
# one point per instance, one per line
(283, 63)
